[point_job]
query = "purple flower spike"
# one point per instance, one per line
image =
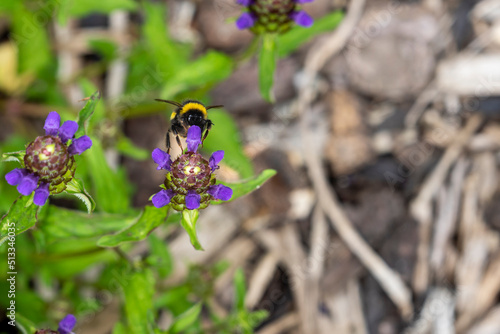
(215, 159)
(302, 18)
(162, 159)
(66, 325)
(80, 145)
(220, 191)
(193, 139)
(27, 184)
(303, 1)
(245, 2)
(52, 123)
(245, 21)
(68, 130)
(192, 200)
(41, 194)
(162, 198)
(15, 176)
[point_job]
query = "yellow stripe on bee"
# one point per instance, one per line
(194, 105)
(173, 115)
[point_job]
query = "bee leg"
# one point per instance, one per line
(179, 143)
(167, 141)
(209, 126)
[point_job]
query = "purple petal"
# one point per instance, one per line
(245, 21)
(66, 325)
(15, 176)
(215, 159)
(41, 194)
(192, 200)
(68, 130)
(193, 139)
(162, 158)
(27, 184)
(52, 123)
(303, 1)
(80, 145)
(302, 18)
(245, 2)
(220, 191)
(162, 198)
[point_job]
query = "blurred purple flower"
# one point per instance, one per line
(245, 21)
(276, 16)
(67, 324)
(302, 18)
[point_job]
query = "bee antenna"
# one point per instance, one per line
(217, 106)
(177, 104)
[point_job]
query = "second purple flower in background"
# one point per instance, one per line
(272, 16)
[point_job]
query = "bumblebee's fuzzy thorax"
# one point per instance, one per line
(187, 114)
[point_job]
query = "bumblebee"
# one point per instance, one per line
(188, 113)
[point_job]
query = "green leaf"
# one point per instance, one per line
(167, 55)
(138, 290)
(68, 257)
(119, 328)
(247, 186)
(256, 317)
(160, 256)
(85, 114)
(226, 136)
(239, 289)
(72, 8)
(150, 219)
(188, 222)
(210, 68)
(14, 156)
(60, 223)
(293, 39)
(21, 216)
(105, 48)
(75, 187)
(126, 147)
(267, 65)
(185, 320)
(110, 187)
(24, 325)
(30, 34)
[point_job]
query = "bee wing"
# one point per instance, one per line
(227, 9)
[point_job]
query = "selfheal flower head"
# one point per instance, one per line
(190, 176)
(49, 162)
(272, 16)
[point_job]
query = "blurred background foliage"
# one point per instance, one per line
(60, 265)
